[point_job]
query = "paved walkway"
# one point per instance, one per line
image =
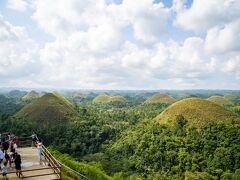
(30, 161)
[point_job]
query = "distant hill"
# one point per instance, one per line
(220, 100)
(161, 98)
(233, 97)
(31, 95)
(104, 98)
(196, 111)
(16, 94)
(50, 108)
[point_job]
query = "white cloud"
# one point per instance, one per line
(17, 51)
(224, 39)
(205, 14)
(18, 5)
(91, 48)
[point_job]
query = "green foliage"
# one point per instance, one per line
(214, 149)
(91, 171)
(121, 140)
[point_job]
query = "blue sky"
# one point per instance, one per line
(122, 44)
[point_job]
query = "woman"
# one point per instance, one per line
(18, 163)
(39, 148)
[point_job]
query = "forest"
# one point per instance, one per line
(124, 139)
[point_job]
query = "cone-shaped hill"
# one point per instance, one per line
(50, 108)
(30, 96)
(104, 98)
(197, 112)
(220, 100)
(161, 98)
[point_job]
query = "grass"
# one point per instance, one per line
(51, 107)
(30, 95)
(161, 98)
(220, 100)
(197, 112)
(104, 98)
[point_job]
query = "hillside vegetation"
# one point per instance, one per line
(190, 139)
(233, 97)
(196, 111)
(50, 108)
(161, 98)
(31, 95)
(104, 98)
(220, 100)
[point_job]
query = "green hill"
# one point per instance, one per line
(196, 111)
(30, 96)
(104, 98)
(233, 97)
(161, 98)
(50, 108)
(220, 100)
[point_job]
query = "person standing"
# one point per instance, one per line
(18, 163)
(34, 139)
(2, 155)
(5, 145)
(39, 148)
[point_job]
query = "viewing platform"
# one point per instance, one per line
(32, 168)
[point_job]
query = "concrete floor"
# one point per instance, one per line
(30, 160)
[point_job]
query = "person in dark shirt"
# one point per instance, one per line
(18, 163)
(5, 145)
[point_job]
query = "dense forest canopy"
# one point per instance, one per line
(125, 140)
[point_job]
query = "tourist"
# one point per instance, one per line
(4, 170)
(18, 163)
(8, 159)
(34, 139)
(39, 148)
(2, 155)
(5, 145)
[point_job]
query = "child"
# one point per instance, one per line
(4, 170)
(18, 163)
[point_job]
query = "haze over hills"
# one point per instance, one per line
(105, 98)
(161, 98)
(50, 108)
(196, 111)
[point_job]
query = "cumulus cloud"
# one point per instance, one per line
(224, 39)
(92, 49)
(17, 51)
(205, 14)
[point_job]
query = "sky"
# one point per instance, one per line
(120, 44)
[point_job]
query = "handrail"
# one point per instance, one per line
(52, 161)
(67, 166)
(78, 173)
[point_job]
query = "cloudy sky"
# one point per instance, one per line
(120, 44)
